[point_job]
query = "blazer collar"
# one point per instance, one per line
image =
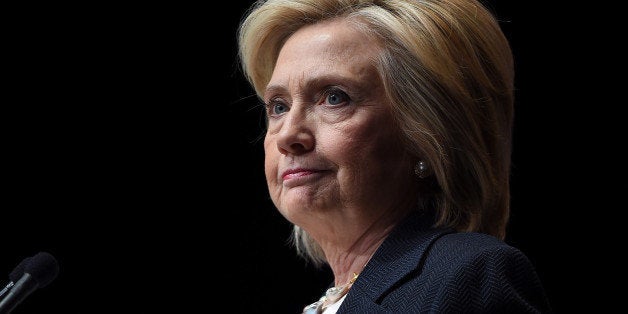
(400, 253)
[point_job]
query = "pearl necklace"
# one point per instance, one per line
(332, 295)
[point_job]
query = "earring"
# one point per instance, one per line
(420, 169)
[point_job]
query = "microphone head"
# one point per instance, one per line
(18, 271)
(43, 267)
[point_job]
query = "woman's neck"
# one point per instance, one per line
(349, 258)
(349, 239)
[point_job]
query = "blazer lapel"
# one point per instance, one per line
(399, 255)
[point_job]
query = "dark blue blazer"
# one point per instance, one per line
(418, 269)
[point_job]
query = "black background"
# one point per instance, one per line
(130, 152)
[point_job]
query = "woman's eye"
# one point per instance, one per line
(277, 108)
(336, 97)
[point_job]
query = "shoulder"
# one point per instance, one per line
(472, 273)
(441, 271)
(471, 245)
(485, 272)
(479, 257)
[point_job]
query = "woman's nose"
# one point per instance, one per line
(296, 135)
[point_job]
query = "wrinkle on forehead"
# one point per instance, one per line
(330, 48)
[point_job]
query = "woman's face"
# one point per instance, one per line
(331, 144)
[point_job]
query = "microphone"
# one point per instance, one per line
(38, 271)
(15, 275)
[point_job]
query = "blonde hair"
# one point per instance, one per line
(448, 69)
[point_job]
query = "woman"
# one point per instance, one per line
(388, 147)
